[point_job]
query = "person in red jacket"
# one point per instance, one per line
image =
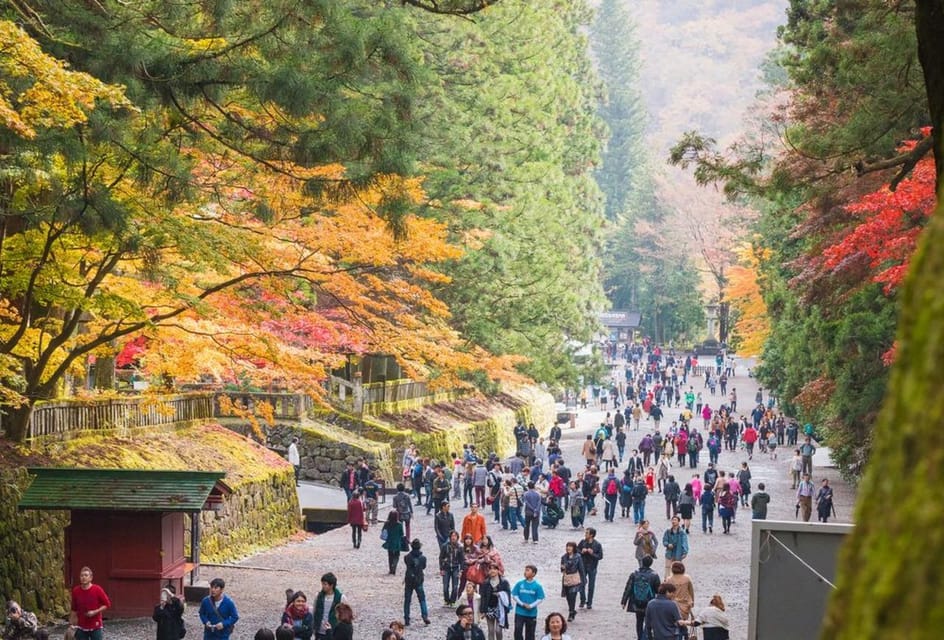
(355, 518)
(749, 437)
(88, 603)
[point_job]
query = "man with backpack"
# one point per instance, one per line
(641, 587)
(611, 492)
(638, 496)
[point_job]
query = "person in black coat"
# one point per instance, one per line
(466, 616)
(168, 615)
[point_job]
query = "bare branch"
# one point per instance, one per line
(906, 161)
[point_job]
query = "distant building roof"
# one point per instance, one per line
(620, 319)
(122, 489)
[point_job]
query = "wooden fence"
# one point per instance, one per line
(72, 416)
(69, 416)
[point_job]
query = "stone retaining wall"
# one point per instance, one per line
(31, 551)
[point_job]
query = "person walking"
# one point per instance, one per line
(684, 595)
(675, 543)
(591, 552)
(638, 496)
(355, 518)
(218, 613)
(474, 525)
(444, 523)
(532, 513)
(707, 501)
(572, 578)
(495, 602)
(662, 615)
(824, 501)
(796, 468)
(759, 501)
(403, 505)
(88, 602)
(393, 540)
(804, 497)
(645, 542)
(527, 594)
(294, 458)
(415, 565)
(672, 492)
(807, 449)
(726, 503)
(451, 564)
(611, 491)
(641, 588)
(686, 507)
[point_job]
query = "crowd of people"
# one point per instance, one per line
(656, 442)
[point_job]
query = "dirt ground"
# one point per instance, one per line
(717, 563)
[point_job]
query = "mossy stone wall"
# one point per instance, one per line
(31, 551)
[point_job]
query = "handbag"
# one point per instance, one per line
(475, 574)
(572, 579)
(383, 534)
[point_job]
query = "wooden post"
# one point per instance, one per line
(195, 546)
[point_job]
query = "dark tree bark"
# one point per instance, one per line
(929, 24)
(891, 569)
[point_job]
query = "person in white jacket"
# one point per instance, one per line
(713, 620)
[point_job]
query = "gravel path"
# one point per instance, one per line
(717, 563)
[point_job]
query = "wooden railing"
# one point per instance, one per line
(68, 416)
(288, 406)
(71, 416)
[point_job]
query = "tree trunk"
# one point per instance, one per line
(105, 373)
(891, 570)
(16, 422)
(929, 25)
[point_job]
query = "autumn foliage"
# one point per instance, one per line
(887, 226)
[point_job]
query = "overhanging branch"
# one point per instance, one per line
(906, 161)
(451, 7)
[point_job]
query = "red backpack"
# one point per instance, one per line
(612, 488)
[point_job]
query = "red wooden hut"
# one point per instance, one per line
(129, 527)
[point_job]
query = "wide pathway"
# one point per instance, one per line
(717, 563)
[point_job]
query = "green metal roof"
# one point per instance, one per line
(121, 489)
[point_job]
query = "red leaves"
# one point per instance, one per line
(890, 225)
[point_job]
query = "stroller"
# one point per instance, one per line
(552, 513)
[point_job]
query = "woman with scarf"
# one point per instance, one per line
(299, 617)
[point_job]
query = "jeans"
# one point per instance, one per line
(531, 523)
(641, 626)
(707, 519)
(356, 531)
(451, 584)
(514, 516)
(407, 599)
(609, 508)
(496, 509)
(671, 508)
(524, 627)
(639, 512)
(480, 497)
(588, 587)
(96, 634)
(467, 496)
(571, 595)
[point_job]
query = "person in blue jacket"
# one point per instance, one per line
(218, 612)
